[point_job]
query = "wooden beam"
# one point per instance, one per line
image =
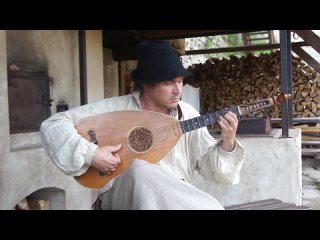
(122, 74)
(130, 53)
(125, 53)
(307, 58)
(310, 37)
(241, 49)
(174, 34)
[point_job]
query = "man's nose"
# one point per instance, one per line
(177, 88)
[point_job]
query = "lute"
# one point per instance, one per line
(148, 135)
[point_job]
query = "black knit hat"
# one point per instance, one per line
(157, 62)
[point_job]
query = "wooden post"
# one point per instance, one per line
(122, 79)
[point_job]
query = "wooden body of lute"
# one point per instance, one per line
(143, 135)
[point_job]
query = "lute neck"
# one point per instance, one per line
(212, 118)
(205, 120)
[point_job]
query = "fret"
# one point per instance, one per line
(187, 126)
(201, 120)
(184, 126)
(225, 111)
(207, 120)
(190, 124)
(235, 110)
(217, 115)
(195, 123)
(212, 118)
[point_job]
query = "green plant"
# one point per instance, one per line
(230, 40)
(317, 184)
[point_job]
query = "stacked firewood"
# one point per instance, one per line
(235, 81)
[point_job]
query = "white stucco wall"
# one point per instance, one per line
(272, 169)
(94, 56)
(24, 165)
(4, 120)
(54, 51)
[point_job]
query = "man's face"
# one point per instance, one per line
(166, 94)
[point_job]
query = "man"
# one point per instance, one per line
(166, 184)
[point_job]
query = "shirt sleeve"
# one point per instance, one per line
(70, 152)
(212, 162)
(208, 158)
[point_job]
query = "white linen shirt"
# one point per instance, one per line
(195, 150)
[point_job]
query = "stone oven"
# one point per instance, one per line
(38, 71)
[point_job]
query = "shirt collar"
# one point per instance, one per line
(136, 97)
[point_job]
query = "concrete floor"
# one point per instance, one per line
(311, 176)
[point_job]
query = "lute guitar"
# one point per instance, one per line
(148, 135)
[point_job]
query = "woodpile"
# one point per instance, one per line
(32, 204)
(236, 81)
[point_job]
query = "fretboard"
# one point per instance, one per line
(205, 120)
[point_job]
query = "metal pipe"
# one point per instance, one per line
(286, 82)
(83, 67)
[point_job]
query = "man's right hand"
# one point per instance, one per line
(105, 159)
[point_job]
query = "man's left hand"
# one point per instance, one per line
(228, 124)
